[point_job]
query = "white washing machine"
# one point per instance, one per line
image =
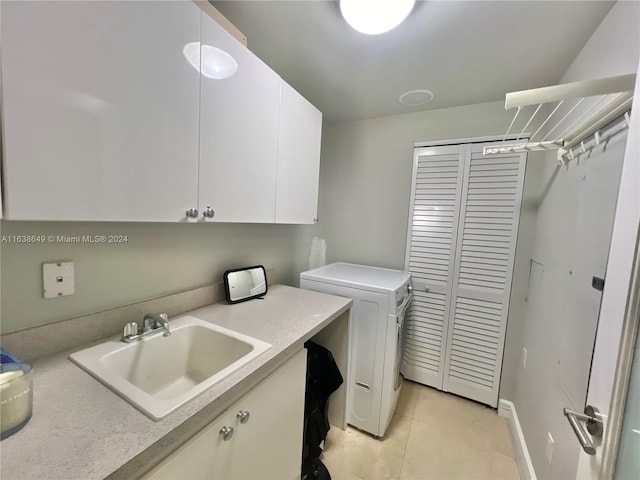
(380, 299)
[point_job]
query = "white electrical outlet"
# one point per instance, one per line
(524, 358)
(58, 279)
(549, 449)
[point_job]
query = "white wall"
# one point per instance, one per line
(519, 288)
(553, 373)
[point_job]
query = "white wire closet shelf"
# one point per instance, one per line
(581, 116)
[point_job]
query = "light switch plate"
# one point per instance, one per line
(58, 279)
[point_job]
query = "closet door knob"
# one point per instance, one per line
(209, 212)
(192, 213)
(243, 416)
(226, 432)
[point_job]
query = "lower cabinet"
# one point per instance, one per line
(258, 437)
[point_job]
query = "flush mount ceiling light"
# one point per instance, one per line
(415, 97)
(216, 64)
(375, 16)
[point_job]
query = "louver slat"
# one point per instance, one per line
(427, 316)
(464, 376)
(476, 351)
(473, 366)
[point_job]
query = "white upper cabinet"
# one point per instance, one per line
(100, 110)
(238, 135)
(107, 117)
(298, 158)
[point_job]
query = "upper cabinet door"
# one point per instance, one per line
(100, 110)
(298, 158)
(238, 132)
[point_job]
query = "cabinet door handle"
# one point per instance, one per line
(192, 213)
(226, 432)
(243, 416)
(209, 212)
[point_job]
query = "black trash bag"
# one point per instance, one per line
(323, 378)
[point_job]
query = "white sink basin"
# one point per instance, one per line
(158, 374)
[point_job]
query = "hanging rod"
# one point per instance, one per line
(615, 94)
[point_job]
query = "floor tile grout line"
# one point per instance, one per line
(404, 451)
(406, 444)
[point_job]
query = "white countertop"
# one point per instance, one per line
(82, 430)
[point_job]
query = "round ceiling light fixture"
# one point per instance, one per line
(416, 97)
(375, 16)
(215, 63)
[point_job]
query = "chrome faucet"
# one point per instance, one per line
(152, 323)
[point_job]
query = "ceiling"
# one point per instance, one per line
(465, 52)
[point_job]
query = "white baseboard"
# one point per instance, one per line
(507, 410)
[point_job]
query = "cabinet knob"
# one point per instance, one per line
(192, 213)
(226, 432)
(209, 212)
(243, 416)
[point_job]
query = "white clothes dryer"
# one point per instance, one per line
(380, 299)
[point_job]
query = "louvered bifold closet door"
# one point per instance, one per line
(431, 240)
(488, 227)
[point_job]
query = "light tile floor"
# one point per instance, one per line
(433, 435)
